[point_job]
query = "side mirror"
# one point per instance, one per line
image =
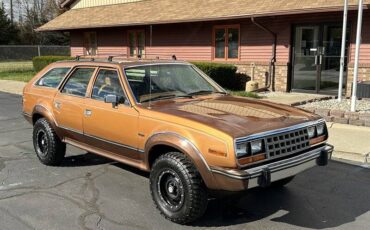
(112, 99)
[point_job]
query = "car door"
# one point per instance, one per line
(111, 127)
(68, 104)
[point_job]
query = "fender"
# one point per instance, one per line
(46, 113)
(176, 141)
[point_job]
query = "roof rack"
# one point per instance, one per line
(110, 58)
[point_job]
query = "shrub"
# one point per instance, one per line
(224, 74)
(244, 94)
(41, 62)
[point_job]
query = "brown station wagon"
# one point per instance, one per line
(170, 119)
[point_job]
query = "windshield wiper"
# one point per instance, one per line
(204, 92)
(168, 96)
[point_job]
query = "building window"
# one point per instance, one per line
(90, 43)
(136, 40)
(226, 42)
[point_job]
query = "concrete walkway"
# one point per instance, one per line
(290, 98)
(350, 142)
(15, 87)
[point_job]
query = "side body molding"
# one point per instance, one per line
(176, 141)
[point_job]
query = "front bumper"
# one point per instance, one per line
(237, 180)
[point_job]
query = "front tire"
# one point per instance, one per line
(177, 188)
(48, 147)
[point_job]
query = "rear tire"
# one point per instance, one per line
(48, 147)
(177, 188)
(282, 182)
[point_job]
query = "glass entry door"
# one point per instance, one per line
(306, 49)
(316, 58)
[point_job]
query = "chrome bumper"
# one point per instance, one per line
(265, 174)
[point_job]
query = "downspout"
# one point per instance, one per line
(151, 36)
(271, 80)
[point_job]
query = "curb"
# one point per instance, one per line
(355, 157)
(311, 100)
(345, 138)
(351, 162)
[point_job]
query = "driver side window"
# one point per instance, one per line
(107, 83)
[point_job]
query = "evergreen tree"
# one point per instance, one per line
(8, 32)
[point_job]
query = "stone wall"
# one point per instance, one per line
(260, 70)
(343, 117)
(363, 75)
(259, 73)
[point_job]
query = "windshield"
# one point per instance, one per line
(166, 81)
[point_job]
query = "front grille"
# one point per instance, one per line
(287, 143)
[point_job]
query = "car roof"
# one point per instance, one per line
(122, 63)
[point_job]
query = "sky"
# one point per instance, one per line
(16, 8)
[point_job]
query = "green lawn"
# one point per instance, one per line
(17, 66)
(17, 75)
(244, 94)
(16, 70)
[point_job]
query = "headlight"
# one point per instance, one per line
(320, 129)
(241, 150)
(256, 146)
(311, 131)
(317, 133)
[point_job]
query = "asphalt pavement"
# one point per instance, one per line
(91, 192)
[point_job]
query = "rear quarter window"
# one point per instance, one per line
(53, 78)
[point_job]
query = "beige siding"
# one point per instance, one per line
(92, 3)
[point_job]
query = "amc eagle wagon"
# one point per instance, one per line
(172, 120)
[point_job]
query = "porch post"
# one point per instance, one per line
(357, 55)
(343, 51)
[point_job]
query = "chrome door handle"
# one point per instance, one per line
(88, 112)
(321, 59)
(315, 59)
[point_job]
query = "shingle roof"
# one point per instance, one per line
(173, 11)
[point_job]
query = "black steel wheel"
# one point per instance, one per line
(171, 189)
(49, 148)
(177, 188)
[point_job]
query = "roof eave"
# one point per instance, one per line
(230, 17)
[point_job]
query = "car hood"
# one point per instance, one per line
(235, 116)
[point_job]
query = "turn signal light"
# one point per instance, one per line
(317, 140)
(248, 160)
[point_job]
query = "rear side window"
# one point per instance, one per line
(53, 78)
(77, 83)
